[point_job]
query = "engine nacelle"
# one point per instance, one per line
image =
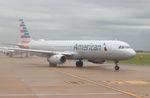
(97, 61)
(57, 59)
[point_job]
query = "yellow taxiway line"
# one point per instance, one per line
(102, 84)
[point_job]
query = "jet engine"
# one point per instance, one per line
(56, 59)
(97, 61)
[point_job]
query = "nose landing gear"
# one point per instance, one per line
(117, 67)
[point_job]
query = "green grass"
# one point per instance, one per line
(140, 59)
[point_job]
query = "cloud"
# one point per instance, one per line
(127, 20)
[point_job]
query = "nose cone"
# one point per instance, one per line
(132, 53)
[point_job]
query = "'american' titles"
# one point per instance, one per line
(89, 47)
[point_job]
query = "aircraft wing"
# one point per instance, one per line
(45, 53)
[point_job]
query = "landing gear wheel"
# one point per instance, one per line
(79, 64)
(117, 67)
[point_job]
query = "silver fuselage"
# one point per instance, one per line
(88, 49)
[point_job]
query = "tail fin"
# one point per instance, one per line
(25, 37)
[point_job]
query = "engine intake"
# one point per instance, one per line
(57, 59)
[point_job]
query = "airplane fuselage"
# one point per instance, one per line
(88, 49)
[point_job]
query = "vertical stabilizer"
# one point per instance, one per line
(25, 37)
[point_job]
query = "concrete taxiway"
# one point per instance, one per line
(32, 78)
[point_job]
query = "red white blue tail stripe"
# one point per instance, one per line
(24, 34)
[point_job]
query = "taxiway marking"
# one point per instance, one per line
(103, 85)
(132, 82)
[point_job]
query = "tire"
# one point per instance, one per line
(79, 64)
(117, 67)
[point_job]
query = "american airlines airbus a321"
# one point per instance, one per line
(57, 52)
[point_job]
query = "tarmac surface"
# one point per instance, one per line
(32, 78)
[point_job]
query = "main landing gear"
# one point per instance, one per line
(117, 67)
(79, 63)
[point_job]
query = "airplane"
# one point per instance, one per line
(58, 51)
(8, 51)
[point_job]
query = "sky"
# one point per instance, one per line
(125, 20)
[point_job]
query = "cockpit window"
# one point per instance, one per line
(123, 47)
